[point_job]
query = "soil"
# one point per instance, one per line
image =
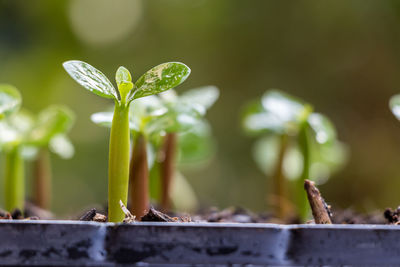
(228, 215)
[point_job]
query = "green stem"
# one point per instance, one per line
(118, 163)
(304, 143)
(14, 180)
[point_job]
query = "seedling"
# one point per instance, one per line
(160, 78)
(49, 133)
(290, 125)
(185, 113)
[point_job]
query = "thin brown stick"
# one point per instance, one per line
(320, 209)
(139, 179)
(280, 200)
(167, 170)
(42, 179)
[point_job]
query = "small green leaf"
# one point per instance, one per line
(200, 98)
(323, 128)
(10, 100)
(51, 121)
(394, 104)
(123, 76)
(102, 118)
(62, 146)
(14, 129)
(160, 79)
(196, 144)
(91, 78)
(283, 106)
(124, 81)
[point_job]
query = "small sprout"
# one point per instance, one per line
(296, 135)
(10, 100)
(159, 79)
(49, 133)
(13, 135)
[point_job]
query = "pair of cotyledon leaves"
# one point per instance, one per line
(159, 79)
(19, 127)
(279, 113)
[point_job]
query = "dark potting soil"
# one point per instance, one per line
(228, 215)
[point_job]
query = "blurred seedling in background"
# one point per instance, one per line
(296, 144)
(49, 133)
(155, 122)
(183, 130)
(22, 136)
(159, 79)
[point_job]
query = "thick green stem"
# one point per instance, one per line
(167, 170)
(14, 180)
(42, 179)
(118, 163)
(304, 143)
(280, 192)
(139, 178)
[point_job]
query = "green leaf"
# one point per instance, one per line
(91, 78)
(15, 128)
(256, 120)
(62, 146)
(160, 79)
(124, 81)
(200, 98)
(51, 121)
(196, 144)
(323, 128)
(123, 76)
(394, 104)
(10, 100)
(102, 118)
(183, 195)
(284, 106)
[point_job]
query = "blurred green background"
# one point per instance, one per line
(342, 56)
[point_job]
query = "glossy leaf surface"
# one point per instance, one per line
(91, 79)
(159, 79)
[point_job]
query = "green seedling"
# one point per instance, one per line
(49, 133)
(142, 112)
(159, 79)
(10, 102)
(298, 144)
(22, 136)
(184, 114)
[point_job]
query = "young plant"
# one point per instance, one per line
(10, 102)
(295, 135)
(49, 133)
(185, 112)
(22, 136)
(142, 111)
(160, 78)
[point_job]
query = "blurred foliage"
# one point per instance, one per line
(343, 56)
